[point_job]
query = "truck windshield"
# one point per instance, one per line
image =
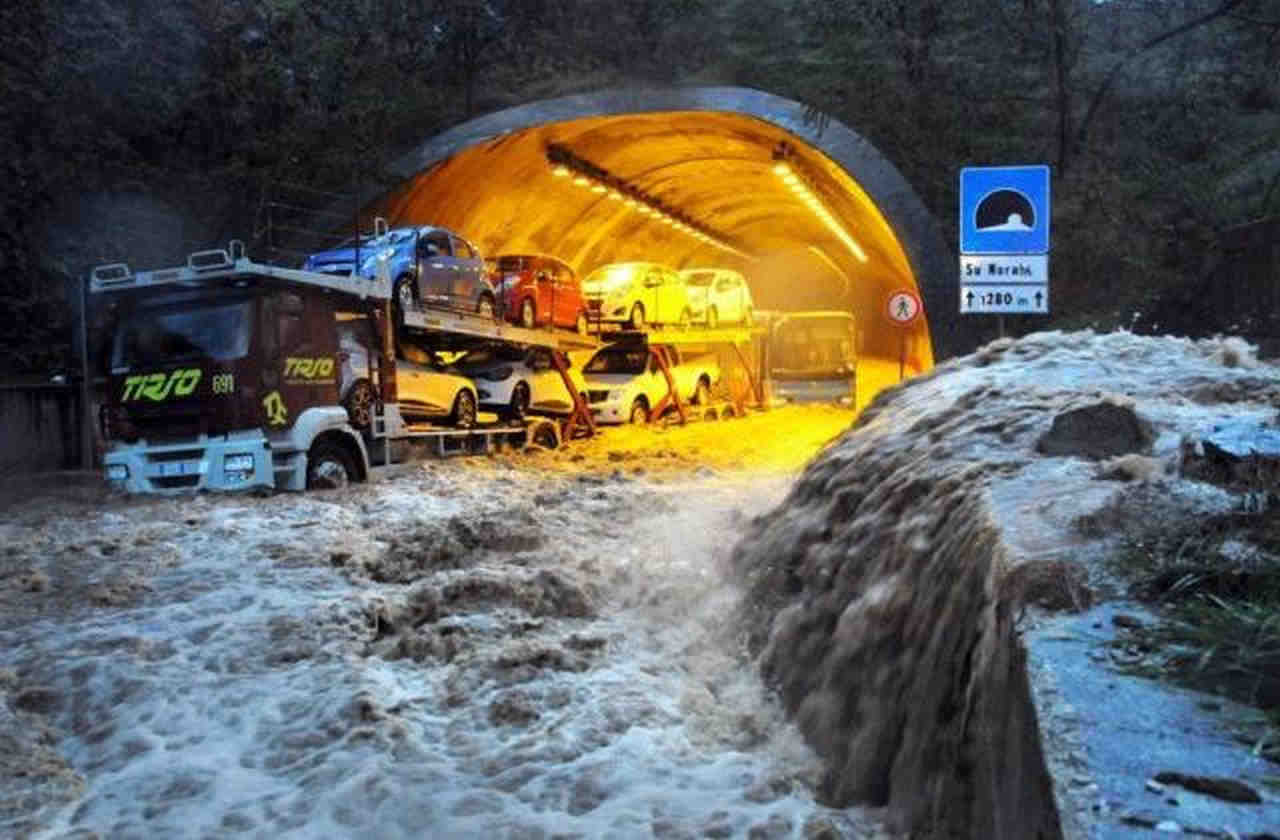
(618, 361)
(182, 332)
(813, 348)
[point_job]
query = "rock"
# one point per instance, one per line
(1058, 585)
(1126, 621)
(37, 699)
(774, 828)
(1102, 430)
(1228, 790)
(1131, 467)
(1235, 453)
(821, 828)
(877, 604)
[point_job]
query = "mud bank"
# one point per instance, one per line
(885, 592)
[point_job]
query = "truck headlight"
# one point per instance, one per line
(240, 462)
(117, 472)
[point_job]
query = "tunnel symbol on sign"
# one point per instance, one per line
(1005, 210)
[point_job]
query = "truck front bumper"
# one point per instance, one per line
(236, 461)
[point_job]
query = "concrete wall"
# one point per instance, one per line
(39, 428)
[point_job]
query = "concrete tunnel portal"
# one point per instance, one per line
(807, 210)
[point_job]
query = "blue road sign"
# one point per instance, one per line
(1004, 210)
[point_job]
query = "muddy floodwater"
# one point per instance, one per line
(516, 646)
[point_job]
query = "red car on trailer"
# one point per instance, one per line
(535, 290)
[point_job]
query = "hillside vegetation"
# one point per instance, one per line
(145, 129)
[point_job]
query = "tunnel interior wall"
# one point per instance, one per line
(706, 151)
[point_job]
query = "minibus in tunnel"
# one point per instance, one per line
(812, 356)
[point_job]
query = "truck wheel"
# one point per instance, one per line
(359, 405)
(702, 396)
(639, 413)
(328, 467)
(528, 316)
(519, 405)
(637, 316)
(713, 318)
(464, 411)
(485, 307)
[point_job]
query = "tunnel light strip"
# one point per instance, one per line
(597, 180)
(802, 191)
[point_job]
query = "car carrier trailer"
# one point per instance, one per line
(224, 376)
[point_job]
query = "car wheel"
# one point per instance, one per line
(328, 467)
(528, 315)
(464, 410)
(485, 307)
(702, 396)
(639, 413)
(519, 405)
(713, 318)
(406, 297)
(637, 316)
(359, 404)
(582, 325)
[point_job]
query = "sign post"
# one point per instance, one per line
(903, 309)
(1004, 240)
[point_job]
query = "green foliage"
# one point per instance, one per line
(131, 129)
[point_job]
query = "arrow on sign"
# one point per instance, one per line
(1039, 297)
(968, 300)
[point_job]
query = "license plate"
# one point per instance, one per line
(178, 468)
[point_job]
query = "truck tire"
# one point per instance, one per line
(328, 467)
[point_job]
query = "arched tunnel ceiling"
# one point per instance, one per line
(709, 154)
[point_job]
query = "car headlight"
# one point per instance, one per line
(241, 462)
(495, 375)
(117, 472)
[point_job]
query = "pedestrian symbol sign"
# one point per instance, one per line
(904, 307)
(1004, 239)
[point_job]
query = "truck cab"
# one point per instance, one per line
(224, 381)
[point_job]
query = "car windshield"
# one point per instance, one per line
(489, 356)
(612, 275)
(512, 263)
(618, 361)
(699, 278)
(182, 332)
(813, 348)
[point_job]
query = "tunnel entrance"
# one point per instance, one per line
(805, 208)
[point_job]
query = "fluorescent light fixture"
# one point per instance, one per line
(802, 191)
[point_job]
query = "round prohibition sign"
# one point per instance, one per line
(904, 307)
